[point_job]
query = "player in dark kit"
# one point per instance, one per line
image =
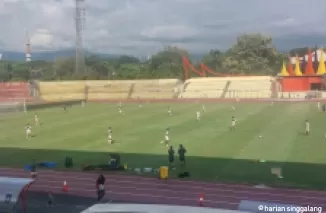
(171, 156)
(65, 108)
(182, 151)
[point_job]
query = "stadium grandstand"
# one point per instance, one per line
(291, 83)
(229, 87)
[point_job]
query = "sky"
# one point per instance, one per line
(143, 27)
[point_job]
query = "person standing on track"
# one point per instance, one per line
(100, 182)
(171, 157)
(33, 169)
(182, 151)
(50, 199)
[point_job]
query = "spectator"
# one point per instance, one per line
(50, 199)
(171, 157)
(100, 182)
(182, 151)
(33, 169)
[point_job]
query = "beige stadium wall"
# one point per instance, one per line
(62, 90)
(156, 89)
(238, 87)
(204, 87)
(250, 87)
(106, 90)
(77, 90)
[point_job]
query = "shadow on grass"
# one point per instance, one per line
(301, 175)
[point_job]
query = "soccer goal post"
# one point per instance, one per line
(13, 107)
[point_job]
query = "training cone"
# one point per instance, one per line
(65, 186)
(201, 199)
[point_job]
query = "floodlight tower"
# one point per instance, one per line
(80, 24)
(28, 56)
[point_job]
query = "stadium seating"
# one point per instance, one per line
(62, 90)
(155, 89)
(204, 87)
(228, 87)
(106, 90)
(251, 87)
(217, 87)
(14, 91)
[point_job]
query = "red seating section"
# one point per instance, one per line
(14, 91)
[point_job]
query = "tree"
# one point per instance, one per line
(63, 68)
(214, 59)
(168, 63)
(5, 72)
(97, 66)
(9, 71)
(125, 59)
(251, 54)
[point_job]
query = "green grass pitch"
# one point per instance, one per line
(271, 133)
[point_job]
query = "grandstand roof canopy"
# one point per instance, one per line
(150, 208)
(11, 188)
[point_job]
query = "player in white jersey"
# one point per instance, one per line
(166, 137)
(318, 105)
(110, 140)
(198, 115)
(233, 121)
(120, 110)
(28, 130)
(36, 121)
(169, 111)
(307, 131)
(203, 108)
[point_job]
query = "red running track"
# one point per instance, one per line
(178, 192)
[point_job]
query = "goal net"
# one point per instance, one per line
(12, 107)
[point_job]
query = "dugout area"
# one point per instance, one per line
(13, 192)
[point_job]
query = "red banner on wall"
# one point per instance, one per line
(11, 91)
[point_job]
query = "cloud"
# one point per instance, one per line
(169, 32)
(286, 22)
(145, 26)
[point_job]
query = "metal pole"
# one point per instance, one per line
(79, 21)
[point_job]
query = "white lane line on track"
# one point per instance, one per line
(108, 192)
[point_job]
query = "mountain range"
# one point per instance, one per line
(47, 56)
(52, 55)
